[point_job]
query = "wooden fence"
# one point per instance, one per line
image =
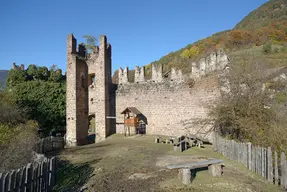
(32, 178)
(265, 162)
(49, 144)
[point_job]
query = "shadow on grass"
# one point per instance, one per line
(195, 171)
(71, 177)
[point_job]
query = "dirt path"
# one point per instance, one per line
(137, 164)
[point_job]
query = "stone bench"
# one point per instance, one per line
(187, 171)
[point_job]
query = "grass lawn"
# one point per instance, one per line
(138, 164)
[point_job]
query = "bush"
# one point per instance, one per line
(17, 135)
(10, 113)
(17, 145)
(276, 50)
(267, 48)
(250, 113)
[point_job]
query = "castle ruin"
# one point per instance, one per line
(171, 103)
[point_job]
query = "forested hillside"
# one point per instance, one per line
(261, 34)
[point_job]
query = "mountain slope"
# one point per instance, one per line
(274, 10)
(3, 76)
(265, 25)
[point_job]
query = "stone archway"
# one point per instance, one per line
(92, 124)
(92, 129)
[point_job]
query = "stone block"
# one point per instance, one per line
(216, 170)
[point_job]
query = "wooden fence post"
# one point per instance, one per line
(253, 160)
(214, 146)
(263, 166)
(28, 179)
(283, 170)
(276, 173)
(1, 180)
(12, 180)
(269, 165)
(249, 154)
(5, 182)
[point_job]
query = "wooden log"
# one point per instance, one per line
(215, 170)
(276, 172)
(185, 176)
(269, 165)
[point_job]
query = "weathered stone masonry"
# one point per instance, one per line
(77, 94)
(88, 90)
(170, 104)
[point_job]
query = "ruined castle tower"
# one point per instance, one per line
(76, 94)
(88, 91)
(100, 66)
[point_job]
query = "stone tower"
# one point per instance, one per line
(99, 63)
(88, 91)
(77, 109)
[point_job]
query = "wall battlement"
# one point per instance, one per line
(216, 61)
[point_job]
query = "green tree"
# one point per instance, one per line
(32, 71)
(90, 42)
(42, 97)
(44, 101)
(15, 76)
(55, 74)
(190, 53)
(43, 73)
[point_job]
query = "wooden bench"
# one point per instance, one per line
(182, 146)
(187, 171)
(165, 140)
(196, 140)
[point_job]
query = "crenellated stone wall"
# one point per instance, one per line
(171, 104)
(139, 74)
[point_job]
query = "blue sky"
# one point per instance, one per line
(35, 32)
